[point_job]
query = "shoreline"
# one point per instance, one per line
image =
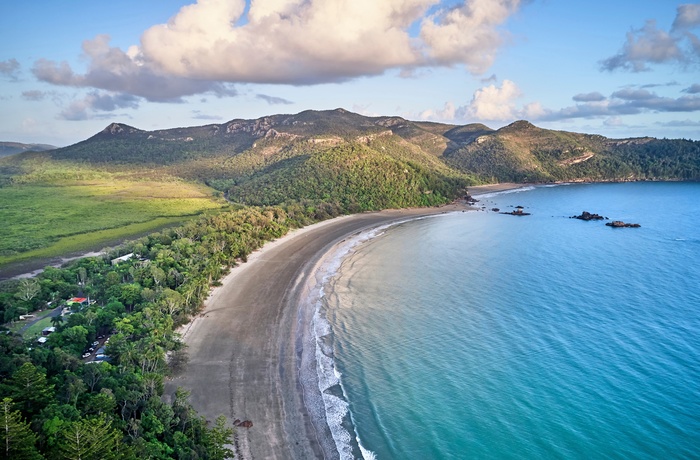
(32, 267)
(246, 347)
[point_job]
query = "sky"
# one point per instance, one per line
(623, 68)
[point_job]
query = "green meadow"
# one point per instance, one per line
(40, 221)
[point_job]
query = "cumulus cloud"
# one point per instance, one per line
(10, 68)
(95, 101)
(490, 103)
(651, 45)
(323, 41)
(124, 72)
(447, 113)
(272, 100)
(500, 103)
(297, 42)
(687, 17)
(467, 34)
(494, 103)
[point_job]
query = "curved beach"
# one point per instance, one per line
(245, 348)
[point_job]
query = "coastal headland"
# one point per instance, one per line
(243, 349)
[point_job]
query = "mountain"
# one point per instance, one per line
(522, 152)
(10, 148)
(357, 162)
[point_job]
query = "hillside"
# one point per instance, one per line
(522, 152)
(10, 148)
(123, 180)
(353, 160)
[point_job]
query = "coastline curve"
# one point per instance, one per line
(244, 349)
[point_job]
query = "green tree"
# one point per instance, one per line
(29, 388)
(28, 289)
(91, 439)
(18, 440)
(73, 338)
(56, 321)
(130, 294)
(217, 438)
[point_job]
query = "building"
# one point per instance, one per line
(82, 301)
(123, 258)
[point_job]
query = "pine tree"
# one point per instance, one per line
(91, 439)
(18, 440)
(29, 388)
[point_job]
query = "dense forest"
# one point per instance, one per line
(58, 404)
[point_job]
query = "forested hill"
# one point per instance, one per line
(363, 162)
(10, 148)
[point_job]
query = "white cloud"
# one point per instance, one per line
(467, 34)
(651, 45)
(114, 70)
(447, 113)
(494, 103)
(499, 103)
(296, 42)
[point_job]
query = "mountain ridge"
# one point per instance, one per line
(244, 157)
(11, 148)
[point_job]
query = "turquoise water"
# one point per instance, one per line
(481, 335)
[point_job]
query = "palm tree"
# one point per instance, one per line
(56, 320)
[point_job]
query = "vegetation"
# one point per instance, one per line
(58, 405)
(278, 172)
(354, 177)
(49, 220)
(522, 152)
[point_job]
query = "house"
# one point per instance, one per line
(42, 340)
(48, 330)
(123, 258)
(82, 301)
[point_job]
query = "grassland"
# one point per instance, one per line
(42, 221)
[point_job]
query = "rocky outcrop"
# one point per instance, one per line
(517, 212)
(243, 424)
(470, 199)
(585, 215)
(620, 224)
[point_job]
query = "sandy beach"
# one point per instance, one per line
(244, 349)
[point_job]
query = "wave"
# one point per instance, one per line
(336, 408)
(526, 188)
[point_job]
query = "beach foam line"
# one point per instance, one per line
(335, 407)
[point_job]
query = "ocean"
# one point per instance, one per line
(479, 335)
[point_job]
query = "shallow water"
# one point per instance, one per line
(482, 335)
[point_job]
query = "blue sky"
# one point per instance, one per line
(620, 69)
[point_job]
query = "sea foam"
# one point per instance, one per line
(327, 377)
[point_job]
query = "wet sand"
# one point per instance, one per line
(244, 348)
